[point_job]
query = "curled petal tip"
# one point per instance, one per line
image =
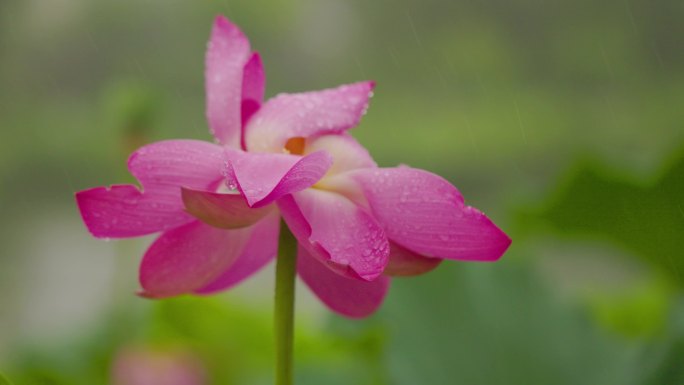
(426, 214)
(501, 245)
(495, 242)
(264, 178)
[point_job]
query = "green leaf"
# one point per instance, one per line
(486, 324)
(646, 219)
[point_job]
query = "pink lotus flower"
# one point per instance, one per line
(218, 206)
(145, 366)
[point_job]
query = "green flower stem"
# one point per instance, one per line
(286, 267)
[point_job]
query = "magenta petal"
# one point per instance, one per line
(426, 214)
(261, 248)
(228, 51)
(406, 263)
(263, 178)
(189, 257)
(226, 211)
(306, 114)
(254, 79)
(253, 86)
(347, 296)
(337, 232)
(123, 211)
(162, 168)
(170, 164)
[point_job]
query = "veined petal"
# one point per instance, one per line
(189, 257)
(162, 168)
(337, 232)
(306, 114)
(170, 164)
(347, 296)
(263, 178)
(123, 211)
(228, 51)
(347, 153)
(406, 263)
(226, 211)
(261, 248)
(253, 86)
(426, 214)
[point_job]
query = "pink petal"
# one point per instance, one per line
(228, 51)
(406, 263)
(189, 257)
(253, 86)
(306, 114)
(123, 211)
(347, 296)
(337, 232)
(259, 251)
(263, 178)
(426, 214)
(347, 153)
(162, 168)
(226, 211)
(170, 164)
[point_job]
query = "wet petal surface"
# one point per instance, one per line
(263, 178)
(337, 232)
(306, 114)
(162, 168)
(426, 214)
(228, 51)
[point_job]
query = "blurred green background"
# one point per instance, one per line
(561, 119)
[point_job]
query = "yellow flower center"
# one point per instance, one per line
(295, 146)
